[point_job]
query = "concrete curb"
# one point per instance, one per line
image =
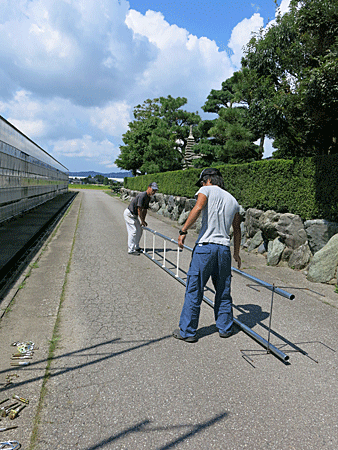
(29, 312)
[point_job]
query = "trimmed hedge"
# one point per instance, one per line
(304, 186)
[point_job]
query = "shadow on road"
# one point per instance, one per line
(103, 357)
(142, 427)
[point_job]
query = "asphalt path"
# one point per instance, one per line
(119, 380)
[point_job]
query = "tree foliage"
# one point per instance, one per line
(291, 73)
(157, 137)
(229, 138)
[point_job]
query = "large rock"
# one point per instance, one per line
(323, 267)
(291, 230)
(255, 241)
(183, 217)
(300, 257)
(268, 224)
(159, 198)
(175, 213)
(171, 203)
(154, 206)
(319, 232)
(252, 221)
(275, 250)
(189, 204)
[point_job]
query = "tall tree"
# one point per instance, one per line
(293, 79)
(231, 139)
(156, 139)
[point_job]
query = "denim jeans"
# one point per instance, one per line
(208, 260)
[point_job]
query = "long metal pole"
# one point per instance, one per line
(268, 286)
(241, 325)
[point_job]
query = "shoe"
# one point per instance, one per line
(226, 335)
(140, 250)
(134, 253)
(177, 335)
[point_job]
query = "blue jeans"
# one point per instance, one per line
(208, 260)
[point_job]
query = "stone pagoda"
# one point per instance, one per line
(189, 154)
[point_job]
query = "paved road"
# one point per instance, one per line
(118, 380)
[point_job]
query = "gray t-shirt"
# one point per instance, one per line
(218, 215)
(142, 200)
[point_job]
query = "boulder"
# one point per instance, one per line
(252, 221)
(255, 241)
(159, 198)
(189, 204)
(268, 224)
(323, 266)
(171, 203)
(242, 213)
(243, 233)
(275, 250)
(262, 248)
(175, 213)
(300, 257)
(291, 230)
(319, 232)
(286, 254)
(183, 217)
(154, 206)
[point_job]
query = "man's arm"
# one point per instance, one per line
(236, 225)
(142, 212)
(193, 216)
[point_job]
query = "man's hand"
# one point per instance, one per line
(144, 223)
(238, 260)
(181, 240)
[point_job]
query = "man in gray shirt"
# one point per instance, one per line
(211, 255)
(134, 217)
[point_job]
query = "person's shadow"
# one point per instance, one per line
(250, 316)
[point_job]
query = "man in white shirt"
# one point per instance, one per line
(211, 255)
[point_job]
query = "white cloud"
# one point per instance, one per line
(112, 119)
(241, 35)
(82, 51)
(185, 65)
(284, 7)
(72, 71)
(96, 152)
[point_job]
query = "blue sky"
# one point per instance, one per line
(72, 71)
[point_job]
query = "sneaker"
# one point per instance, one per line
(140, 250)
(225, 335)
(134, 253)
(177, 335)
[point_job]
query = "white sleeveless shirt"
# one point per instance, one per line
(218, 215)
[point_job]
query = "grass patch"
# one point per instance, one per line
(52, 346)
(89, 186)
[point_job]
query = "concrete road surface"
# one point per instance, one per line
(116, 379)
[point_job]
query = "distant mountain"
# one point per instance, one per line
(108, 175)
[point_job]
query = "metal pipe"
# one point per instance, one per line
(164, 250)
(241, 325)
(268, 286)
(264, 284)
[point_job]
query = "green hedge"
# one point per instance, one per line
(304, 186)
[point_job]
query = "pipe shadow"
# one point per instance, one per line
(142, 427)
(56, 373)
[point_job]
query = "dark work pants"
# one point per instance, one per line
(208, 260)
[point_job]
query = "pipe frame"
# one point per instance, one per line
(266, 344)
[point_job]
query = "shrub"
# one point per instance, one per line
(303, 186)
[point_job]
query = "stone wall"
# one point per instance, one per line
(284, 239)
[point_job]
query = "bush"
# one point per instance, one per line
(303, 186)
